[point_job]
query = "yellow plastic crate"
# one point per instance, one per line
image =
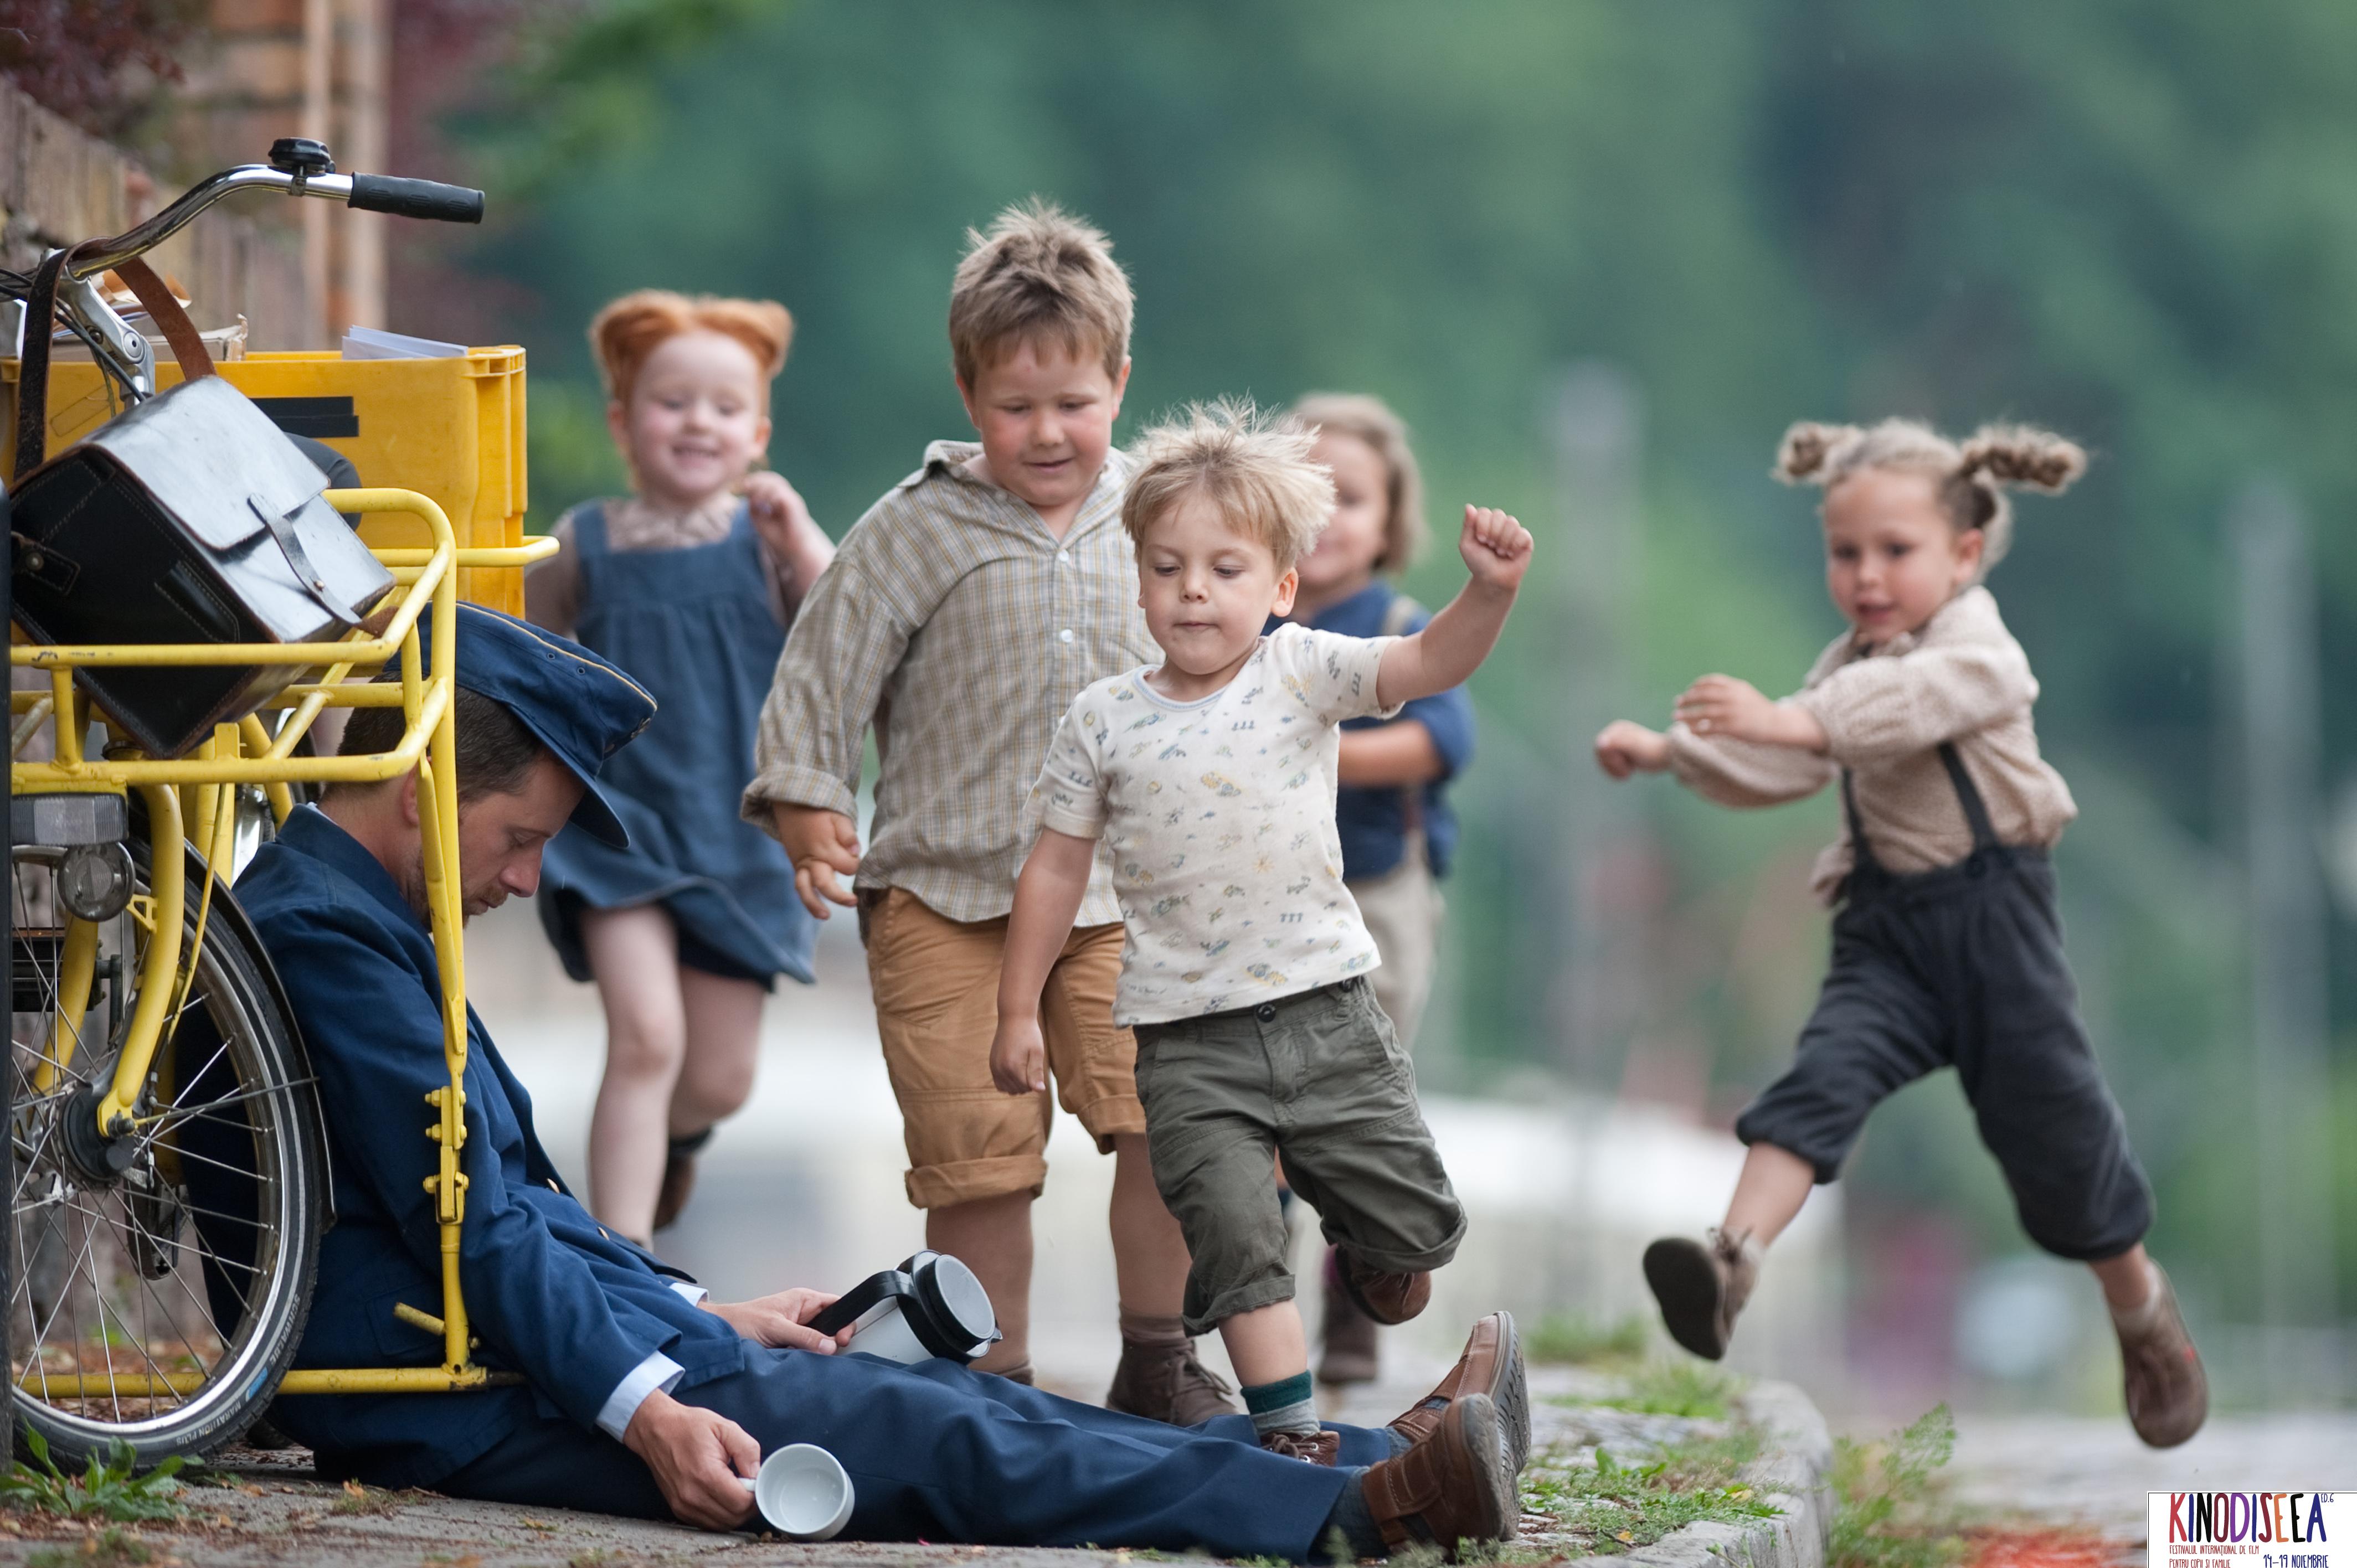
(452, 429)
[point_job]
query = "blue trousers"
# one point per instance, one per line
(938, 1453)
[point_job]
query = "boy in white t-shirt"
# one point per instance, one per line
(1210, 779)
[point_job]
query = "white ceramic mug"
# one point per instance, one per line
(803, 1492)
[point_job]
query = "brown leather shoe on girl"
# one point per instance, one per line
(2169, 1393)
(1702, 1286)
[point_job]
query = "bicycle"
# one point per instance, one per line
(168, 1178)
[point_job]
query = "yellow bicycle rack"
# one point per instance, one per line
(192, 798)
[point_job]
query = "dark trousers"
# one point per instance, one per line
(938, 1453)
(1963, 967)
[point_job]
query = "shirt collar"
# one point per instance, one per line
(948, 459)
(313, 832)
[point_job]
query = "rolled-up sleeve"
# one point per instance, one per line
(846, 640)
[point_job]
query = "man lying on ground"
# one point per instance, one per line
(641, 1396)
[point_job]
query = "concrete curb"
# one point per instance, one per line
(1793, 1472)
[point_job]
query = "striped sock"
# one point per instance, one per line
(1286, 1405)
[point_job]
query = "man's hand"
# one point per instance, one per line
(1496, 548)
(1723, 705)
(780, 1321)
(697, 1456)
(1018, 1056)
(1625, 748)
(820, 842)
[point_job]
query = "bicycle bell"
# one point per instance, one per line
(931, 1305)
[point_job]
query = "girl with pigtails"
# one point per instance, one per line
(689, 584)
(1947, 948)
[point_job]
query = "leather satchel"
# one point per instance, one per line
(191, 519)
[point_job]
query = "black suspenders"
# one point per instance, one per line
(1968, 796)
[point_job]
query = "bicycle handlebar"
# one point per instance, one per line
(416, 198)
(369, 192)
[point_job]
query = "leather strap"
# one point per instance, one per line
(170, 316)
(40, 323)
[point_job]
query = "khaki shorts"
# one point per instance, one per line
(936, 984)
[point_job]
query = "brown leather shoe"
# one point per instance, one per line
(1311, 1447)
(1164, 1381)
(679, 1177)
(1491, 1365)
(2169, 1393)
(1702, 1286)
(1347, 1352)
(1386, 1298)
(1450, 1488)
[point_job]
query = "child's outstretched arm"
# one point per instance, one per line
(1737, 710)
(1625, 746)
(1497, 551)
(1048, 896)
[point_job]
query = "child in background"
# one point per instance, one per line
(1391, 810)
(1209, 778)
(689, 582)
(965, 612)
(1947, 948)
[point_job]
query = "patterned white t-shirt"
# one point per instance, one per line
(1219, 818)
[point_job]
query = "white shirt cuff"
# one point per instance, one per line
(657, 1371)
(694, 1293)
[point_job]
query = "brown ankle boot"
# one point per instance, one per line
(1702, 1286)
(678, 1177)
(1450, 1488)
(1491, 1365)
(1349, 1354)
(1385, 1297)
(1319, 1447)
(2168, 1392)
(1160, 1377)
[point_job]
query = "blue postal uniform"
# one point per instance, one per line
(935, 1451)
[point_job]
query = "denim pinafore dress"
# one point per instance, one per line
(695, 626)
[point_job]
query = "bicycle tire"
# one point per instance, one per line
(231, 1187)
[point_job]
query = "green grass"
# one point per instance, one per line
(1890, 1505)
(1613, 1506)
(1679, 1388)
(1570, 1338)
(104, 1490)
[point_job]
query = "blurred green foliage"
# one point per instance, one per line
(2137, 223)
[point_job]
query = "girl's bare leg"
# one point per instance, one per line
(1774, 1184)
(634, 955)
(724, 1047)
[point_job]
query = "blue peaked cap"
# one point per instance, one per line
(577, 705)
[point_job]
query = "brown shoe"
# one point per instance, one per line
(2169, 1394)
(1319, 1448)
(1386, 1298)
(1491, 1365)
(1450, 1488)
(1702, 1286)
(679, 1177)
(1347, 1353)
(1162, 1380)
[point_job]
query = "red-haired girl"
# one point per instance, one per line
(689, 584)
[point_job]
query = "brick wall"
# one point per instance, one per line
(59, 183)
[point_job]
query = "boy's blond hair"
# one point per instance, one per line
(1371, 420)
(1255, 470)
(1038, 274)
(1971, 478)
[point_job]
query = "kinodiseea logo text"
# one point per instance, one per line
(2251, 1530)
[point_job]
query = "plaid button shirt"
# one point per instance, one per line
(963, 629)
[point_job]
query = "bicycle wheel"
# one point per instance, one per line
(157, 1304)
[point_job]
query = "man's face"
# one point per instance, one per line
(500, 837)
